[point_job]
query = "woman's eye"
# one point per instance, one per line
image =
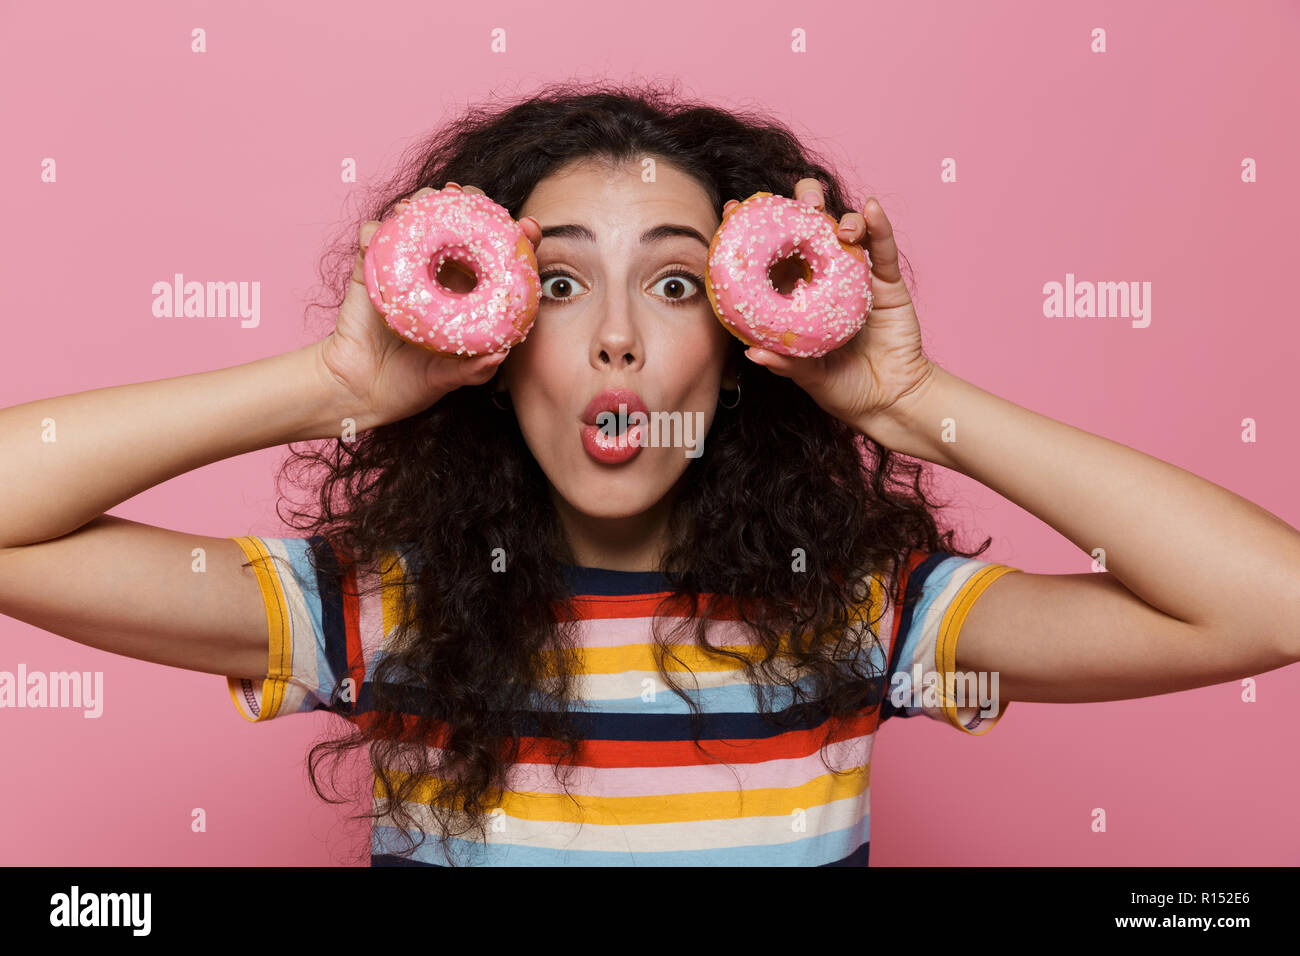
(565, 285)
(678, 286)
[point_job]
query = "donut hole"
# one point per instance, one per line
(787, 271)
(456, 276)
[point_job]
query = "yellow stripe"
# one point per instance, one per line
(946, 645)
(279, 642)
(674, 807)
(640, 657)
(232, 684)
(391, 574)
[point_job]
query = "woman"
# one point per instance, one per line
(673, 658)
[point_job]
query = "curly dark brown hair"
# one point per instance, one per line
(481, 659)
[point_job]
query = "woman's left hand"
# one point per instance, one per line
(881, 369)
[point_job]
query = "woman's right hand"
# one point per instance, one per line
(388, 376)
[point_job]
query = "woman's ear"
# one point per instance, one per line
(731, 372)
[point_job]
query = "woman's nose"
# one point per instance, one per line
(615, 342)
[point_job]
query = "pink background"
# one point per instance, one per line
(1123, 166)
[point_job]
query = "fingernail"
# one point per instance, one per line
(809, 197)
(450, 184)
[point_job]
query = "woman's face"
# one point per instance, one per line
(619, 310)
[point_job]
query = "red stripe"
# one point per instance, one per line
(675, 753)
(593, 607)
(911, 561)
(351, 619)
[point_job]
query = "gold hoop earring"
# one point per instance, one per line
(504, 408)
(736, 402)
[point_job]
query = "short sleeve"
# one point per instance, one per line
(939, 590)
(306, 626)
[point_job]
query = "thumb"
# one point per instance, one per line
(809, 373)
(446, 373)
(480, 368)
(357, 287)
(783, 365)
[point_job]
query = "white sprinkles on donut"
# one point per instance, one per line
(402, 263)
(757, 234)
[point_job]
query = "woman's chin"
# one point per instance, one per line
(612, 498)
(596, 507)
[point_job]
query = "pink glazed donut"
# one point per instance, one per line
(402, 262)
(829, 302)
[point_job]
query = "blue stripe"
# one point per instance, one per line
(918, 601)
(737, 698)
(299, 576)
(827, 847)
(334, 653)
(646, 726)
(593, 582)
(305, 579)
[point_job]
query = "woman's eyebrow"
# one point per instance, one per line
(664, 231)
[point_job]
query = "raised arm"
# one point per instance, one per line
(127, 587)
(68, 459)
(1201, 585)
(138, 590)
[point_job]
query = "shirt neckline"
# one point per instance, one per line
(584, 580)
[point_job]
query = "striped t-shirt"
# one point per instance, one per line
(641, 792)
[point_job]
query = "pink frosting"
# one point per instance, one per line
(406, 252)
(818, 315)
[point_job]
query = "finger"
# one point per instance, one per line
(532, 229)
(803, 371)
(880, 242)
(769, 360)
(365, 234)
(473, 189)
(480, 368)
(852, 227)
(810, 191)
(416, 195)
(729, 205)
